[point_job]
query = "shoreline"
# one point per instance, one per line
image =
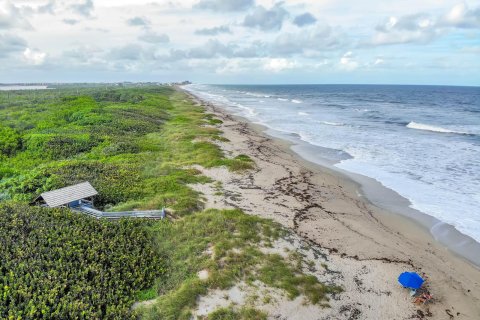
(328, 209)
(373, 190)
(383, 197)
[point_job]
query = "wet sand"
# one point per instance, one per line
(368, 244)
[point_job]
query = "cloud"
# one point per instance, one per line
(278, 64)
(70, 21)
(417, 28)
(210, 49)
(225, 5)
(379, 61)
(266, 20)
(153, 37)
(255, 49)
(304, 19)
(236, 66)
(407, 23)
(460, 16)
(424, 28)
(213, 31)
(171, 56)
(49, 7)
(85, 8)
(82, 53)
(214, 49)
(11, 17)
(10, 44)
(347, 62)
(138, 22)
(317, 39)
(126, 52)
(34, 57)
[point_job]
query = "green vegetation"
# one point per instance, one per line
(137, 147)
(55, 264)
(242, 314)
(134, 145)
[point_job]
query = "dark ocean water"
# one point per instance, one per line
(421, 141)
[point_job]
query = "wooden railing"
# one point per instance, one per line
(147, 214)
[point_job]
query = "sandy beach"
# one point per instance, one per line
(367, 246)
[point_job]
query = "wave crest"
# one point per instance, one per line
(336, 124)
(427, 127)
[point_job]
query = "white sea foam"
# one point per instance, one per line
(427, 127)
(254, 94)
(282, 99)
(336, 124)
(300, 113)
(296, 101)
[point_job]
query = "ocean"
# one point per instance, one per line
(421, 141)
(21, 87)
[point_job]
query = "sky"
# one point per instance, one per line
(241, 41)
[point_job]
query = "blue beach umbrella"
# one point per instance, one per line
(410, 280)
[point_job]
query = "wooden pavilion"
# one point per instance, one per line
(69, 197)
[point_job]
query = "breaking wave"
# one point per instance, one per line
(427, 127)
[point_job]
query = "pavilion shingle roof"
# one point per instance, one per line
(69, 194)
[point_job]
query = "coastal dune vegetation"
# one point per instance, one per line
(137, 146)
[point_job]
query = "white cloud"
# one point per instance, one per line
(424, 28)
(379, 61)
(347, 62)
(34, 57)
(278, 64)
(457, 13)
(12, 16)
(460, 16)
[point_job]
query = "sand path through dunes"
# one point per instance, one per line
(365, 243)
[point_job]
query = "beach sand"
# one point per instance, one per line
(368, 246)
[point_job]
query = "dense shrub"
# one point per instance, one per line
(60, 146)
(117, 96)
(9, 141)
(114, 182)
(132, 144)
(55, 264)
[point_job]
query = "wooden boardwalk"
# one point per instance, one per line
(148, 214)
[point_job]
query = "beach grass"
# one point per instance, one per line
(227, 244)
